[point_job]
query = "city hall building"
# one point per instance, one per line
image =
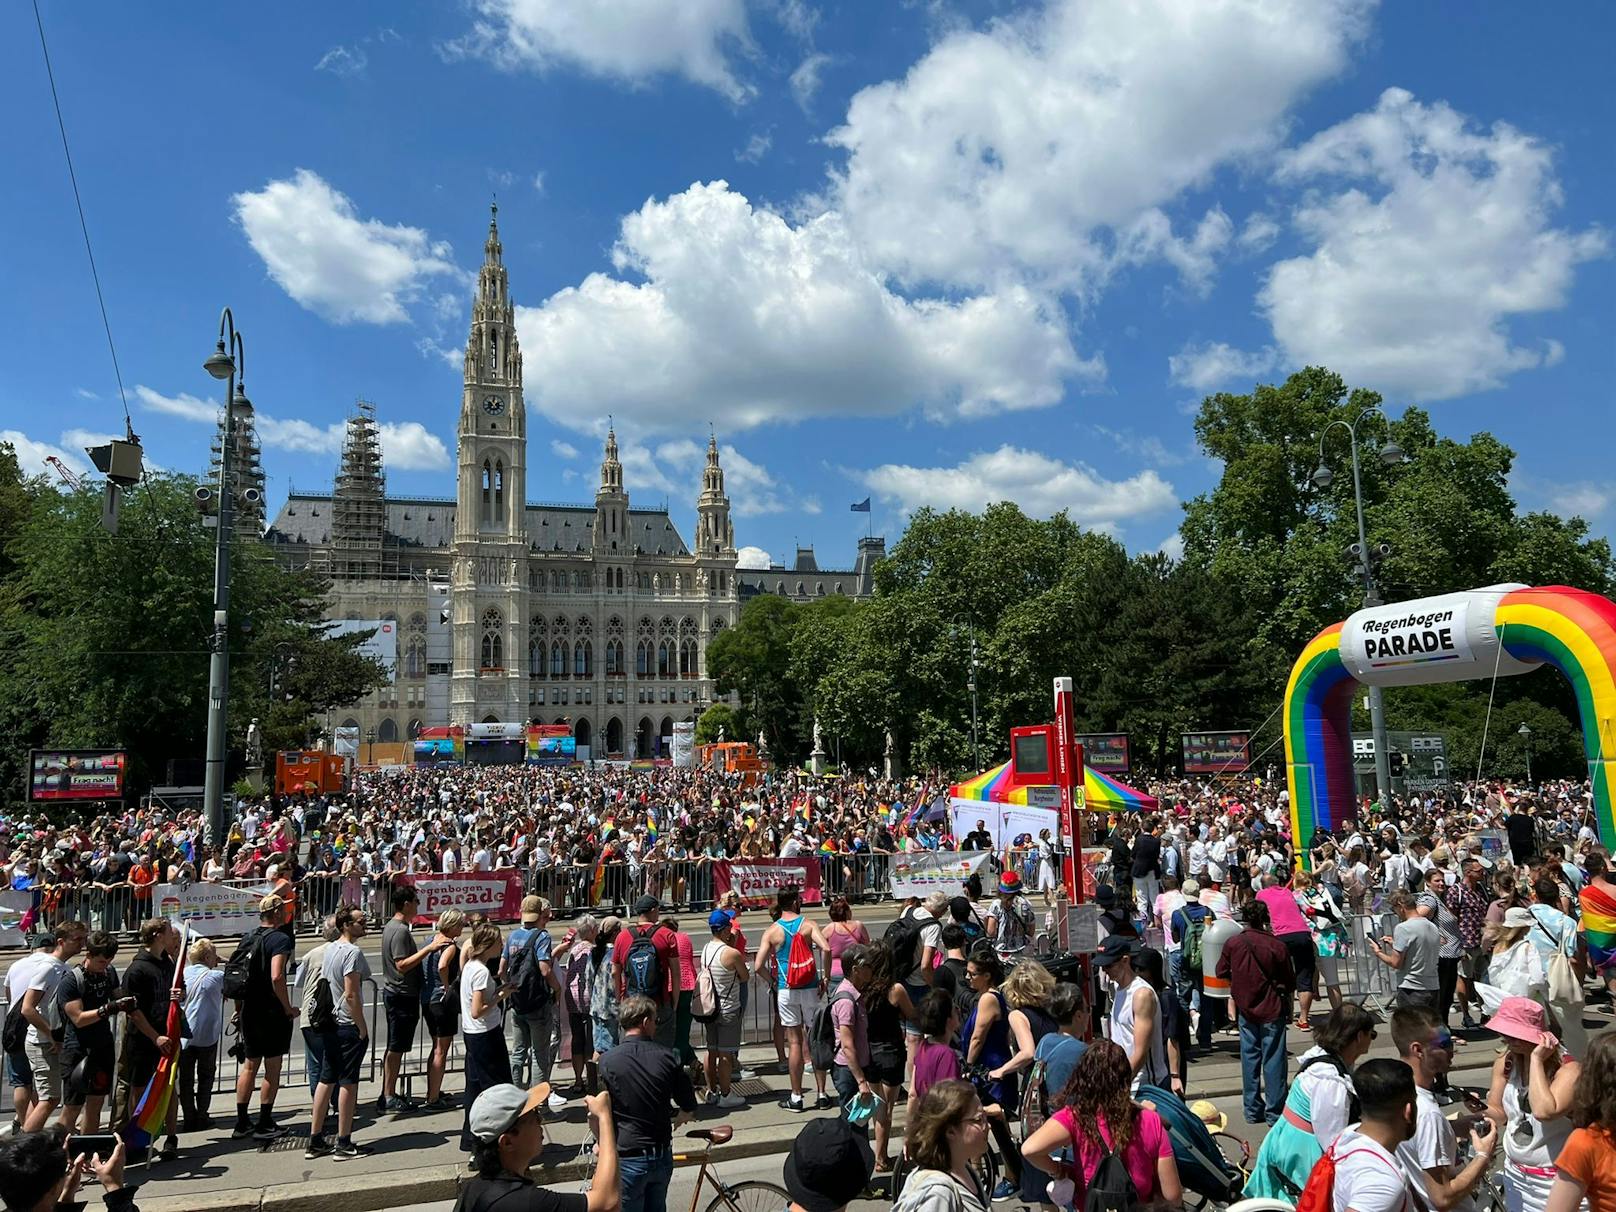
(505, 611)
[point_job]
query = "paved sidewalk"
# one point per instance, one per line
(417, 1158)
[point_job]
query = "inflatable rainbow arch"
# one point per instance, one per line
(1503, 630)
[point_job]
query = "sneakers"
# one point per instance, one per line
(711, 1098)
(169, 1151)
(557, 1102)
(347, 1151)
(1004, 1191)
(397, 1105)
(793, 1102)
(242, 1130)
(444, 1102)
(318, 1147)
(267, 1132)
(746, 1075)
(732, 1102)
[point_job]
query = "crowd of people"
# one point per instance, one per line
(1207, 922)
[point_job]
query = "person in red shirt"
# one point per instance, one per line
(667, 976)
(1261, 980)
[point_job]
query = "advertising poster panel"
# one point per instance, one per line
(684, 744)
(76, 774)
(383, 646)
(1004, 822)
(757, 883)
(1217, 752)
(1106, 752)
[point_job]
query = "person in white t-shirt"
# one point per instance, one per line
(1368, 1175)
(19, 1069)
(482, 1021)
(1426, 1045)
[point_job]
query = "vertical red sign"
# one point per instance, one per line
(1068, 775)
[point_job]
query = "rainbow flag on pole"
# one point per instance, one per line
(1599, 925)
(150, 1114)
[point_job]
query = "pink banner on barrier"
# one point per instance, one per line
(758, 881)
(495, 894)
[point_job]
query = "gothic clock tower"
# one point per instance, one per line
(490, 538)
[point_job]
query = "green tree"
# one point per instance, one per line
(109, 634)
(718, 719)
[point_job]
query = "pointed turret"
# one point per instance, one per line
(492, 353)
(611, 501)
(715, 533)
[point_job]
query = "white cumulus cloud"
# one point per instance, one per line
(563, 450)
(32, 453)
(1582, 500)
(1042, 486)
(752, 558)
(808, 328)
(1438, 234)
(185, 406)
(410, 446)
(1038, 144)
(628, 40)
(1217, 364)
(340, 266)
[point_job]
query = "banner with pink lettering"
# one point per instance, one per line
(497, 895)
(758, 881)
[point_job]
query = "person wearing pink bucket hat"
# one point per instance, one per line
(1530, 1100)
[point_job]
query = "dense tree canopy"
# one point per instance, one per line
(107, 636)
(1156, 646)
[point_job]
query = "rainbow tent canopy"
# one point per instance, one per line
(1101, 792)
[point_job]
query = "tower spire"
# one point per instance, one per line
(492, 352)
(714, 531)
(611, 470)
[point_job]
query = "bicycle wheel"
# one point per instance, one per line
(753, 1195)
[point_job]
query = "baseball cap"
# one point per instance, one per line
(1115, 948)
(646, 904)
(830, 1163)
(719, 918)
(499, 1107)
(532, 906)
(1191, 888)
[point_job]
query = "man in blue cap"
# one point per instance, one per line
(723, 965)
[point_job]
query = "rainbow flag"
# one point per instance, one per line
(1599, 925)
(150, 1115)
(597, 882)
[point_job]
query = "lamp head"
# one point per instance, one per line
(240, 405)
(1523, 730)
(1323, 477)
(1392, 454)
(219, 363)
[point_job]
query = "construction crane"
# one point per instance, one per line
(68, 478)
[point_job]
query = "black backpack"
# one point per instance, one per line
(822, 1040)
(642, 966)
(530, 991)
(1111, 1189)
(15, 1031)
(903, 936)
(322, 1009)
(242, 965)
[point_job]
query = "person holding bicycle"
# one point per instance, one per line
(507, 1124)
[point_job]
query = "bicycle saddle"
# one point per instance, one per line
(717, 1136)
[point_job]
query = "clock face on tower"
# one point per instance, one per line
(493, 405)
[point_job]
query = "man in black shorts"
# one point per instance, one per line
(401, 994)
(264, 1018)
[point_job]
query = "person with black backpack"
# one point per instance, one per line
(256, 978)
(644, 964)
(528, 967)
(1124, 1158)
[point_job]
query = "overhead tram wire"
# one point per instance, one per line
(84, 227)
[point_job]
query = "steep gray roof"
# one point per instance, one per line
(429, 523)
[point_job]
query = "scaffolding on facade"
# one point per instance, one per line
(358, 549)
(247, 470)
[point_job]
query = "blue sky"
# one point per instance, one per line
(933, 253)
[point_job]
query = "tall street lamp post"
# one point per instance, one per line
(1391, 454)
(970, 630)
(227, 362)
(1525, 734)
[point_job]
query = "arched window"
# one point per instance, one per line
(499, 486)
(535, 655)
(414, 729)
(488, 490)
(583, 660)
(684, 656)
(664, 660)
(493, 648)
(558, 660)
(415, 657)
(642, 658)
(614, 656)
(387, 732)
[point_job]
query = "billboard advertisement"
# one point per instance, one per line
(1106, 752)
(383, 646)
(1217, 752)
(76, 774)
(684, 744)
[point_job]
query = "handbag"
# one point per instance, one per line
(1565, 986)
